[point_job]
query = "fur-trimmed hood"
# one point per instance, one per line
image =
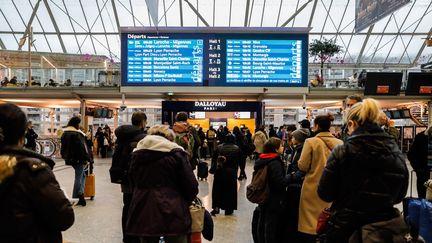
(73, 129)
(156, 143)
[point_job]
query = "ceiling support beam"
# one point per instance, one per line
(104, 28)
(422, 47)
(312, 13)
(379, 42)
(296, 13)
(262, 13)
(181, 12)
(12, 31)
(197, 13)
(2, 45)
(116, 15)
(246, 13)
(43, 29)
(29, 23)
(364, 45)
(278, 17)
(88, 26)
(55, 26)
(327, 16)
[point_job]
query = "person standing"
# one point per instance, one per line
(271, 223)
(418, 158)
(163, 187)
(259, 139)
(100, 140)
(76, 154)
(203, 144)
(211, 139)
(225, 164)
(187, 137)
(33, 208)
(241, 142)
(312, 160)
(348, 103)
(364, 178)
(295, 181)
(128, 137)
(31, 137)
(272, 131)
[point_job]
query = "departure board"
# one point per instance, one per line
(188, 57)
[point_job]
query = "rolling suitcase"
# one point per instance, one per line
(90, 184)
(202, 170)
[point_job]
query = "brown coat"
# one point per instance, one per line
(312, 161)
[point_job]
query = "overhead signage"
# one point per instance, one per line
(198, 58)
(368, 12)
(210, 105)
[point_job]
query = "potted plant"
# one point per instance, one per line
(323, 50)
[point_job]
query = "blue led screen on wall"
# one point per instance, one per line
(214, 59)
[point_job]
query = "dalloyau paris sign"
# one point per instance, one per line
(210, 105)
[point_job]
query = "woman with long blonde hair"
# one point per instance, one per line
(365, 177)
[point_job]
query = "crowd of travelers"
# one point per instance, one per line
(318, 188)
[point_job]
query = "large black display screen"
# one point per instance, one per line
(192, 58)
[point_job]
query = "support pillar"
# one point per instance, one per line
(116, 118)
(84, 121)
(429, 113)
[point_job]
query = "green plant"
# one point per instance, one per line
(324, 49)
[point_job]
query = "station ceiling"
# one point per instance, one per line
(91, 27)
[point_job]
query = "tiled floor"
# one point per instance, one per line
(99, 221)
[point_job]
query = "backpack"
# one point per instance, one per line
(258, 190)
(211, 134)
(186, 140)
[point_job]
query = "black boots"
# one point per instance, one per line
(81, 201)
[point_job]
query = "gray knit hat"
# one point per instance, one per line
(301, 134)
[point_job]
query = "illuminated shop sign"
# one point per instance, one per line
(210, 105)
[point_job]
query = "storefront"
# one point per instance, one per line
(216, 113)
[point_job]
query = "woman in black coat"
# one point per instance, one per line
(33, 208)
(365, 177)
(241, 142)
(163, 186)
(224, 163)
(271, 223)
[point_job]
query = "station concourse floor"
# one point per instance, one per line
(100, 220)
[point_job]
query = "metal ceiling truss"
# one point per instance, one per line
(197, 13)
(214, 12)
(230, 12)
(27, 27)
(297, 5)
(12, 31)
(104, 28)
(2, 45)
(132, 12)
(399, 31)
(89, 30)
(415, 29)
(41, 25)
(165, 10)
(262, 13)
(251, 12)
(364, 45)
(296, 13)
(55, 26)
(328, 13)
(181, 12)
(382, 36)
(278, 17)
(73, 27)
(116, 15)
(312, 13)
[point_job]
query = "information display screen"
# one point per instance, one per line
(190, 58)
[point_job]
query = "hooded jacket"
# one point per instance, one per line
(128, 137)
(163, 187)
(33, 208)
(73, 146)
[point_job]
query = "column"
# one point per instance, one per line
(430, 113)
(116, 118)
(84, 121)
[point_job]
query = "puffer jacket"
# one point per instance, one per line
(33, 208)
(365, 177)
(163, 186)
(276, 179)
(232, 153)
(74, 146)
(128, 137)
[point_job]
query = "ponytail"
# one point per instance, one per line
(324, 122)
(367, 111)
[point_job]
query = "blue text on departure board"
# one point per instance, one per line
(263, 61)
(165, 60)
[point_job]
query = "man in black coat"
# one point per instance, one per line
(127, 138)
(418, 157)
(31, 136)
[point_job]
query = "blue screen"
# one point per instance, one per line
(214, 59)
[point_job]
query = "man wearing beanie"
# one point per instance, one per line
(295, 178)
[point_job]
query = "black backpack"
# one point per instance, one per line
(121, 159)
